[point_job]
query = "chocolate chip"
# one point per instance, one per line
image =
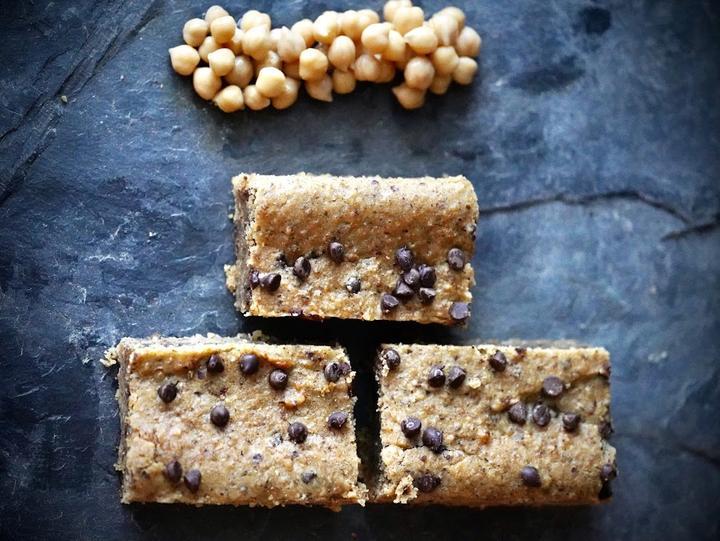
(201, 372)
(498, 361)
(530, 477)
(404, 258)
(456, 259)
(427, 482)
(436, 376)
(552, 387)
(173, 471)
(167, 392)
(297, 432)
(521, 351)
(215, 364)
(353, 284)
(336, 252)
(388, 303)
(278, 379)
(192, 480)
(427, 275)
(219, 415)
(390, 357)
(412, 278)
(606, 429)
(410, 426)
(432, 438)
(518, 413)
(333, 371)
(608, 472)
(459, 311)
(541, 414)
(254, 279)
(426, 295)
(570, 421)
(249, 364)
(402, 290)
(337, 420)
(605, 492)
(456, 377)
(270, 281)
(308, 476)
(302, 268)
(257, 458)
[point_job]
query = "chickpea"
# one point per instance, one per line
(422, 40)
(419, 73)
(445, 27)
(206, 83)
(455, 13)
(208, 46)
(407, 18)
(368, 17)
(270, 82)
(444, 60)
(275, 34)
(288, 96)
(214, 12)
(320, 89)
(392, 6)
(440, 84)
(367, 68)
(254, 99)
(256, 42)
(290, 45)
(350, 24)
(194, 32)
(272, 60)
(465, 70)
(230, 99)
(304, 27)
(409, 55)
(395, 50)
(409, 98)
(254, 18)
(242, 72)
(223, 28)
(326, 27)
(184, 59)
(342, 52)
(343, 82)
(222, 61)
(313, 64)
(236, 42)
(375, 37)
(292, 70)
(468, 42)
(387, 72)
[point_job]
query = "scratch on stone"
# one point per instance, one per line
(701, 228)
(28, 392)
(666, 442)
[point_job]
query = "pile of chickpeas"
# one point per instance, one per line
(254, 65)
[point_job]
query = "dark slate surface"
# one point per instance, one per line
(591, 137)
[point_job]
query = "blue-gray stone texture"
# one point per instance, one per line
(592, 136)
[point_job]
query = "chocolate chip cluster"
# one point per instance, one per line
(247, 63)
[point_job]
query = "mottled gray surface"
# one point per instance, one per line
(592, 139)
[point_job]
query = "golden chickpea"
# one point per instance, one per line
(254, 99)
(288, 96)
(236, 42)
(392, 6)
(419, 73)
(313, 64)
(242, 72)
(194, 32)
(465, 71)
(270, 82)
(445, 27)
(368, 17)
(292, 70)
(422, 40)
(400, 64)
(222, 61)
(342, 52)
(208, 46)
(395, 50)
(440, 84)
(304, 27)
(256, 42)
(290, 45)
(445, 60)
(407, 18)
(230, 99)
(223, 28)
(409, 98)
(271, 60)
(455, 13)
(214, 12)
(206, 83)
(343, 82)
(375, 38)
(184, 59)
(367, 68)
(387, 72)
(326, 27)
(468, 42)
(275, 34)
(320, 89)
(254, 18)
(350, 24)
